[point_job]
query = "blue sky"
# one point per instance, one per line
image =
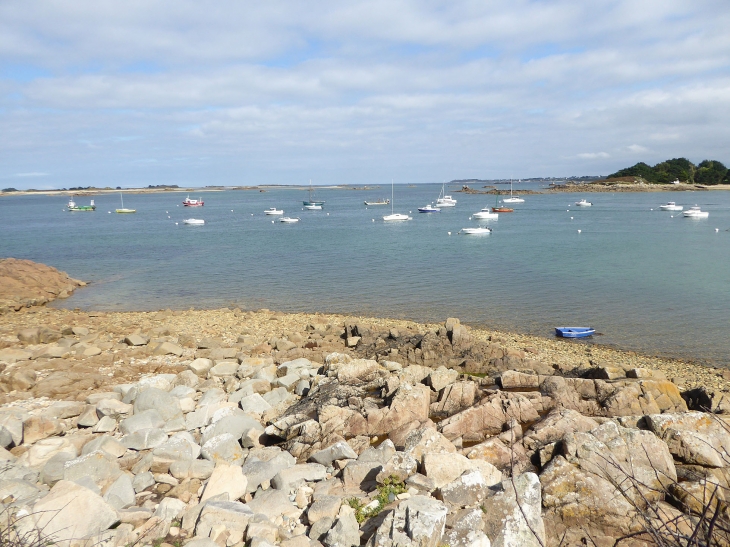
(146, 92)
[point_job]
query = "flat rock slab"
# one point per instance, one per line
(71, 511)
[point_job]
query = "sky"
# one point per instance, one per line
(146, 92)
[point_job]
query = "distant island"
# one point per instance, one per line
(708, 172)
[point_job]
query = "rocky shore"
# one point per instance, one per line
(24, 283)
(224, 428)
(631, 186)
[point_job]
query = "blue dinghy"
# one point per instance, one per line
(574, 332)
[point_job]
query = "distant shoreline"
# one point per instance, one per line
(103, 191)
(596, 186)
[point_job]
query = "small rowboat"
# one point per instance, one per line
(194, 221)
(502, 210)
(574, 332)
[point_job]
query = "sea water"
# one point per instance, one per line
(647, 280)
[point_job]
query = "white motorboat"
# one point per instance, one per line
(671, 206)
(429, 209)
(314, 207)
(274, 211)
(486, 214)
(194, 221)
(583, 203)
(696, 212)
(475, 231)
(289, 220)
(394, 216)
(444, 200)
(511, 198)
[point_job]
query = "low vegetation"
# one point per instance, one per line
(708, 172)
(387, 492)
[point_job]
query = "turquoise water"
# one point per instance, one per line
(646, 281)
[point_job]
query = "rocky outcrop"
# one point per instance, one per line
(163, 438)
(24, 283)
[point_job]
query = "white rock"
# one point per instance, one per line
(227, 479)
(71, 511)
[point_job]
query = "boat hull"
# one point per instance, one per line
(475, 231)
(574, 332)
(484, 214)
(502, 210)
(396, 217)
(308, 203)
(194, 221)
(125, 211)
(386, 202)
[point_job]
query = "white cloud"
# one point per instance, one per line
(637, 148)
(422, 90)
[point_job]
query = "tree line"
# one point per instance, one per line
(708, 172)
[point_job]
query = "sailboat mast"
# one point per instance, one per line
(391, 196)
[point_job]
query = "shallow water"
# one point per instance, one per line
(650, 281)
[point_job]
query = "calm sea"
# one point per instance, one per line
(648, 280)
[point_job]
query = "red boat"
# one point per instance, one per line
(187, 202)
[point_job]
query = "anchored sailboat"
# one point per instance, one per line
(511, 198)
(394, 216)
(123, 210)
(312, 203)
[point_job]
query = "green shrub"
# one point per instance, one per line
(387, 492)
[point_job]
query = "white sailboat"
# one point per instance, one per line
(444, 200)
(511, 198)
(394, 216)
(123, 210)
